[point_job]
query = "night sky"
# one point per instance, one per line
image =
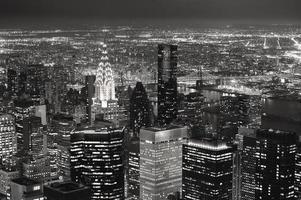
(257, 10)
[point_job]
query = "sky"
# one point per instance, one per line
(248, 10)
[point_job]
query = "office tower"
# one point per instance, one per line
(37, 168)
(97, 160)
(6, 175)
(12, 82)
(104, 101)
(161, 161)
(26, 189)
(234, 112)
(40, 111)
(8, 138)
(268, 165)
(207, 170)
(88, 92)
(167, 83)
(66, 191)
(139, 109)
(63, 125)
(191, 109)
(35, 76)
(298, 170)
(104, 83)
(24, 108)
(134, 169)
(33, 137)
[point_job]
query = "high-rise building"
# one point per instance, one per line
(63, 126)
(104, 83)
(35, 82)
(161, 161)
(207, 170)
(234, 113)
(37, 168)
(167, 83)
(134, 169)
(8, 138)
(26, 189)
(66, 191)
(104, 101)
(140, 109)
(6, 175)
(89, 94)
(12, 82)
(268, 165)
(97, 160)
(24, 108)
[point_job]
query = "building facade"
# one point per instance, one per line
(161, 161)
(97, 160)
(207, 170)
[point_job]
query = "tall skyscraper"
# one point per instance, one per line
(268, 165)
(167, 83)
(161, 161)
(207, 170)
(97, 160)
(63, 126)
(104, 101)
(134, 169)
(8, 138)
(104, 83)
(140, 109)
(89, 94)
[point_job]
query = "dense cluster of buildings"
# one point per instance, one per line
(99, 140)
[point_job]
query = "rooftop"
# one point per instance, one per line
(212, 145)
(66, 187)
(25, 181)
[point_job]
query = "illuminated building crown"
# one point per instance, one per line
(104, 84)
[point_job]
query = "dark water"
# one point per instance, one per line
(282, 115)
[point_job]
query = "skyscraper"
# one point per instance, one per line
(8, 138)
(134, 169)
(207, 170)
(161, 161)
(104, 83)
(140, 110)
(88, 92)
(97, 160)
(167, 83)
(104, 101)
(268, 165)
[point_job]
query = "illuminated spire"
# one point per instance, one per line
(104, 84)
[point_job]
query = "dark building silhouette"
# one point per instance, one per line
(134, 169)
(97, 160)
(66, 191)
(167, 83)
(36, 75)
(207, 170)
(234, 112)
(89, 94)
(268, 165)
(140, 110)
(12, 82)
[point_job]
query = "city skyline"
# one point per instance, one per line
(150, 100)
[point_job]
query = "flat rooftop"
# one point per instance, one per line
(66, 187)
(25, 181)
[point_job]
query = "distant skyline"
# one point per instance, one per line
(274, 11)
